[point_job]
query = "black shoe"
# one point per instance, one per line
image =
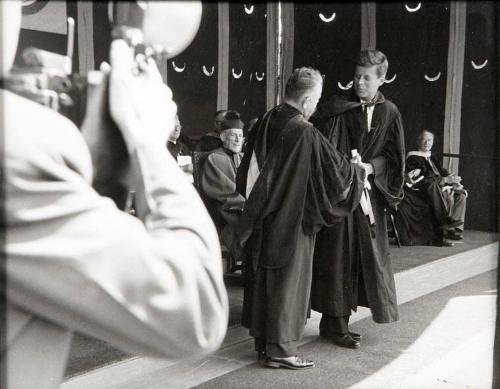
(294, 363)
(345, 340)
(454, 235)
(353, 335)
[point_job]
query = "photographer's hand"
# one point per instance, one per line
(140, 103)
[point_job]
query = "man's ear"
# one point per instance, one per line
(305, 101)
(222, 136)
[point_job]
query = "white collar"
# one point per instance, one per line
(418, 153)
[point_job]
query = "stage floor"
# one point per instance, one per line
(87, 353)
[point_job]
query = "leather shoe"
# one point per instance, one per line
(345, 340)
(353, 335)
(294, 363)
(454, 235)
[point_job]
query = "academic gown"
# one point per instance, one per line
(351, 260)
(303, 184)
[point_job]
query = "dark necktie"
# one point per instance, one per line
(433, 167)
(365, 116)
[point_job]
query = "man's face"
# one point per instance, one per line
(312, 101)
(426, 141)
(232, 139)
(366, 82)
(176, 131)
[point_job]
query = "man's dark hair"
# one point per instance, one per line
(376, 58)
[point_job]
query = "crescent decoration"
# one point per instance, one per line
(348, 86)
(236, 75)
(391, 79)
(432, 79)
(477, 67)
(325, 19)
(178, 69)
(259, 78)
(206, 72)
(249, 10)
(415, 9)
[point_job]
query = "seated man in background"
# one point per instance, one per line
(150, 285)
(442, 190)
(179, 150)
(175, 145)
(218, 178)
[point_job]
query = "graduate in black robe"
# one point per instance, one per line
(351, 260)
(295, 183)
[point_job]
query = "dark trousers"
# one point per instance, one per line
(276, 350)
(334, 324)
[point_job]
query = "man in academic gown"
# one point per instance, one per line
(218, 179)
(295, 183)
(438, 188)
(351, 261)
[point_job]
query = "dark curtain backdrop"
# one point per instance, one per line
(247, 59)
(194, 91)
(331, 47)
(102, 32)
(416, 45)
(478, 133)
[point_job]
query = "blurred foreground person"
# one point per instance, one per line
(351, 260)
(295, 183)
(74, 262)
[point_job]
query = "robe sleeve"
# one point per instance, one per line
(389, 164)
(334, 187)
(415, 162)
(218, 182)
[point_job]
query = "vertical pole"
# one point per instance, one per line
(454, 81)
(368, 26)
(287, 12)
(85, 37)
(223, 68)
(272, 54)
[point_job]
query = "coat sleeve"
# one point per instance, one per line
(429, 178)
(151, 287)
(218, 182)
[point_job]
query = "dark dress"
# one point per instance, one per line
(303, 185)
(351, 261)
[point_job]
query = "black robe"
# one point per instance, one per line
(351, 260)
(303, 185)
(423, 209)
